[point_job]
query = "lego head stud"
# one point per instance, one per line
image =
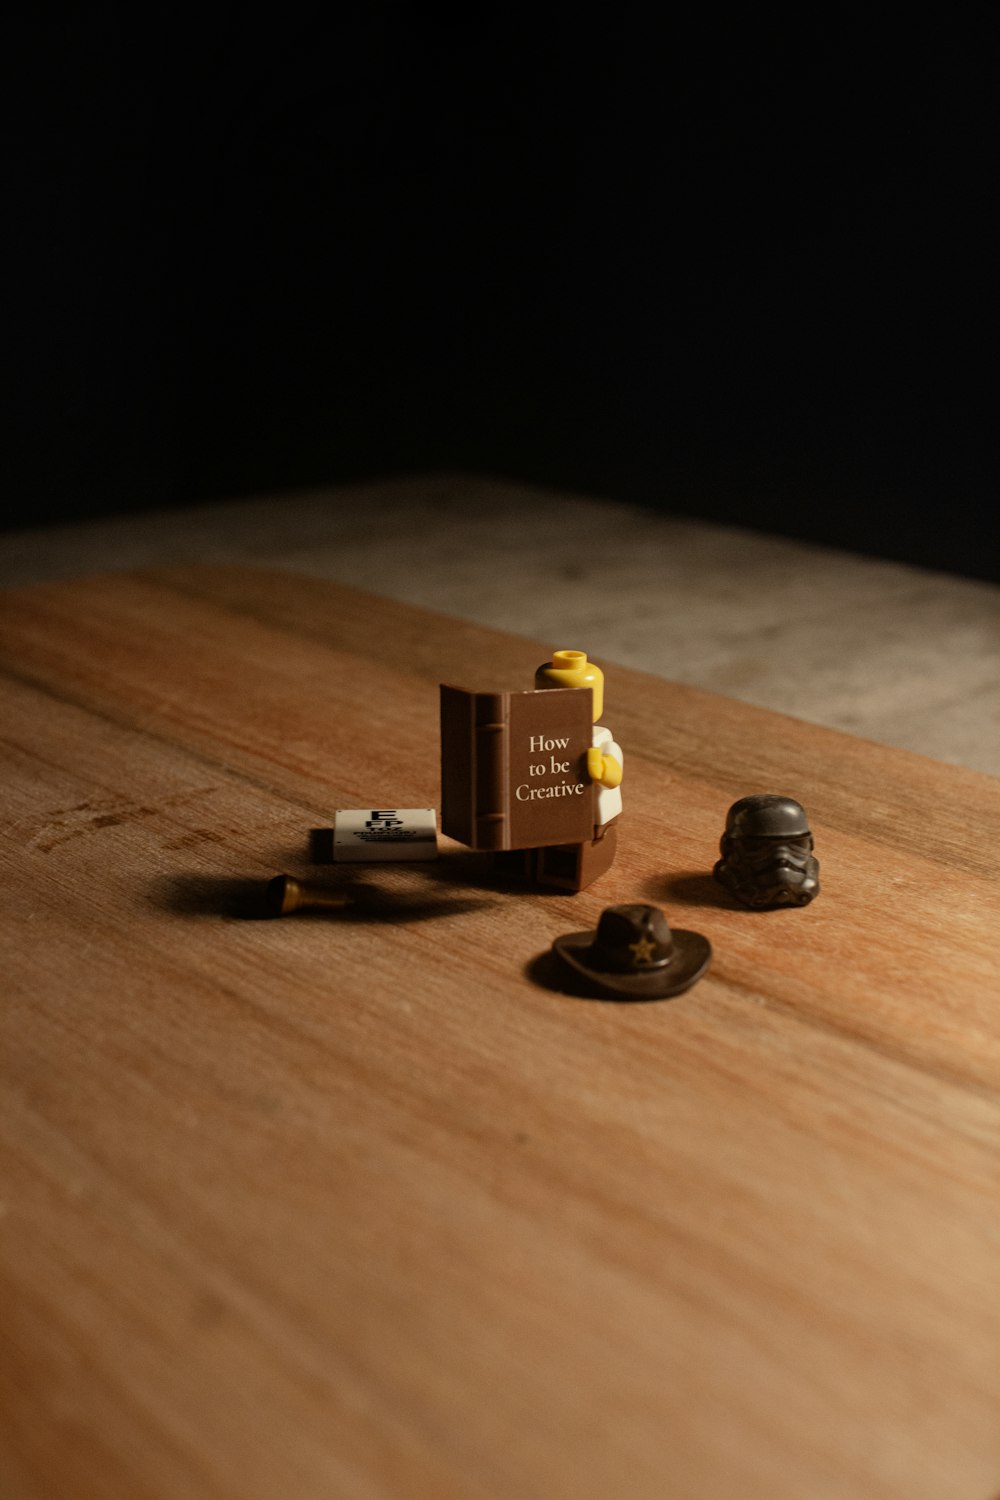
(571, 669)
(633, 955)
(767, 857)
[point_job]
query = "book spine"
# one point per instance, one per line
(491, 772)
(457, 785)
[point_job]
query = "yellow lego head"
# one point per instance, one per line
(571, 669)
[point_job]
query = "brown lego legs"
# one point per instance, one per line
(565, 867)
(572, 867)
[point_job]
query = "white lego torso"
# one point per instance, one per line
(609, 799)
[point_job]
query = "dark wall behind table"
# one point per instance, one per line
(721, 269)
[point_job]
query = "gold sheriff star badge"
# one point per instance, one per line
(644, 949)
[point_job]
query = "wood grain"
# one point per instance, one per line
(352, 1206)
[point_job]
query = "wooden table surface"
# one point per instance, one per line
(356, 1206)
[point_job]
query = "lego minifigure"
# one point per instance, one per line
(633, 954)
(767, 857)
(531, 775)
(576, 866)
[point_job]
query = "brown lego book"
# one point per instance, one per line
(514, 767)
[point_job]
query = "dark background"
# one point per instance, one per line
(722, 268)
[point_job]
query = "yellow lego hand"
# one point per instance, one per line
(603, 768)
(611, 772)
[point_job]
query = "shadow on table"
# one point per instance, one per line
(690, 888)
(239, 899)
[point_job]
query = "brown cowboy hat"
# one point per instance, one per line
(633, 955)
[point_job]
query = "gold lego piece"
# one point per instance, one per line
(285, 895)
